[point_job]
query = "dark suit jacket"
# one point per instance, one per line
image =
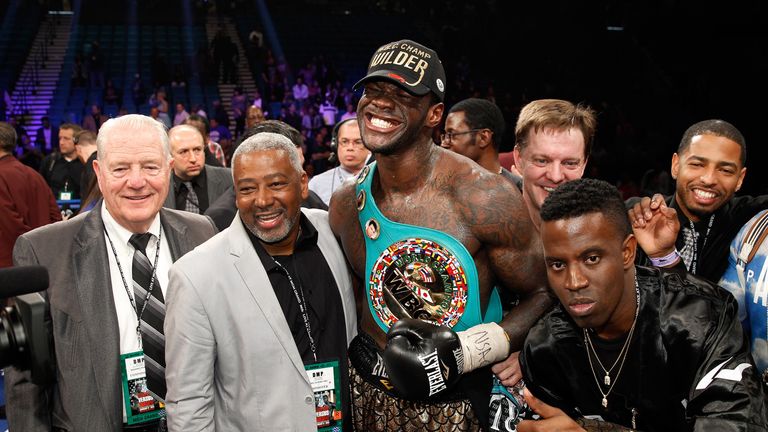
(82, 318)
(218, 180)
(40, 140)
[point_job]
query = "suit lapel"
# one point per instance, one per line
(254, 277)
(175, 231)
(217, 183)
(93, 287)
(170, 199)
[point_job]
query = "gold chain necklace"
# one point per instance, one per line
(622, 354)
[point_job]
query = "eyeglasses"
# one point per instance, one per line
(448, 136)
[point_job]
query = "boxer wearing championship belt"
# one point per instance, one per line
(430, 233)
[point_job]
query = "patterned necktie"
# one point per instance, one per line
(152, 337)
(689, 238)
(192, 204)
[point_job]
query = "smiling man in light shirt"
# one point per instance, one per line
(351, 154)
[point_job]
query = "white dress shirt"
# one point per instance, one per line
(123, 253)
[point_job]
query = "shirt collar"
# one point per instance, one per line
(120, 234)
(197, 181)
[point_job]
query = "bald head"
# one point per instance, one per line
(188, 151)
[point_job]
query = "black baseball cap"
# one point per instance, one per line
(410, 65)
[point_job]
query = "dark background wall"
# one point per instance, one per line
(650, 68)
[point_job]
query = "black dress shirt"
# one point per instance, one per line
(311, 276)
(199, 184)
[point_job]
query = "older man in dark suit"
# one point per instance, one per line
(108, 274)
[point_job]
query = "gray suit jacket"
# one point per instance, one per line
(218, 180)
(232, 362)
(87, 394)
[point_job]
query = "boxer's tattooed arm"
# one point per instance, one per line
(501, 223)
(342, 216)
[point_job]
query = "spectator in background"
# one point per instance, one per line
(316, 121)
(155, 114)
(218, 50)
(351, 155)
(194, 184)
(85, 143)
(220, 114)
(199, 110)
(62, 169)
(179, 78)
(29, 154)
(85, 146)
(254, 115)
(256, 99)
(111, 94)
(138, 93)
(350, 113)
(47, 137)
(158, 100)
(319, 151)
(230, 58)
(212, 147)
(95, 119)
(328, 110)
(238, 105)
(291, 116)
(96, 65)
(219, 132)
(16, 123)
(300, 92)
(78, 72)
(181, 114)
(25, 200)
(474, 128)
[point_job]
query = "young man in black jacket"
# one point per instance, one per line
(638, 347)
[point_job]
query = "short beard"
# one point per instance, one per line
(276, 237)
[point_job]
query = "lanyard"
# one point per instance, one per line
(139, 314)
(694, 233)
(302, 307)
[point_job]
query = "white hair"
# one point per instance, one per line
(269, 141)
(132, 122)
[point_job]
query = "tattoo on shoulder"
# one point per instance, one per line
(495, 212)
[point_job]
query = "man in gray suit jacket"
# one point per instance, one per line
(189, 169)
(256, 306)
(92, 309)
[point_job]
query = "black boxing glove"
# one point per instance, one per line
(424, 360)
